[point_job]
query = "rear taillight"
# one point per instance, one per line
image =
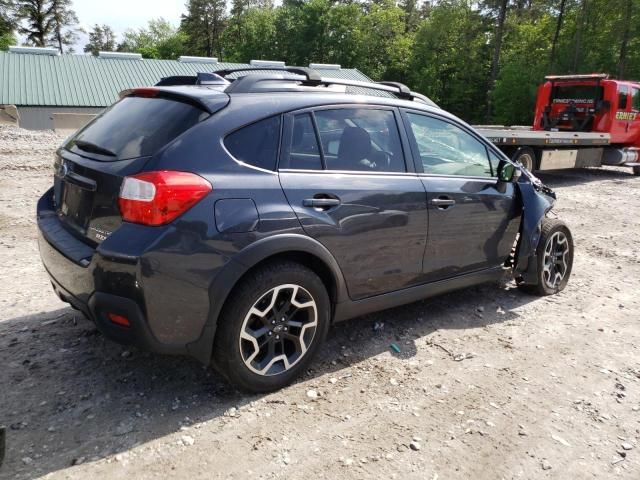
(156, 198)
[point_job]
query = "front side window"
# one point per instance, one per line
(446, 149)
(360, 139)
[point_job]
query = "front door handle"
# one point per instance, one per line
(443, 202)
(324, 203)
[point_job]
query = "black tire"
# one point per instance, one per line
(636, 171)
(526, 157)
(230, 352)
(551, 227)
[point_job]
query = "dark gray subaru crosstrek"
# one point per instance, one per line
(234, 221)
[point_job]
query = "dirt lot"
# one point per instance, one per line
(548, 388)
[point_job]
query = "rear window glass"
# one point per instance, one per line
(577, 94)
(136, 127)
(256, 144)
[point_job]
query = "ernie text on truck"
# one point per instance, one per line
(580, 121)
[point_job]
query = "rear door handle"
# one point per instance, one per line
(324, 203)
(443, 202)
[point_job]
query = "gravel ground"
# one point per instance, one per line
(490, 383)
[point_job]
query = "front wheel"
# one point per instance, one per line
(554, 257)
(271, 327)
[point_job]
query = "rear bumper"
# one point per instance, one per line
(99, 305)
(98, 283)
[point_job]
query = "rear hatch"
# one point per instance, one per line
(90, 167)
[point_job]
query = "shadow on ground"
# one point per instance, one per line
(579, 176)
(70, 395)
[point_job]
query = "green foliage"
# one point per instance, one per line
(451, 60)
(159, 40)
(6, 40)
(46, 23)
(204, 25)
(479, 59)
(101, 39)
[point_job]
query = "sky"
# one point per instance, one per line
(123, 14)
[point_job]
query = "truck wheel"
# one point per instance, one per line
(526, 157)
(271, 327)
(554, 257)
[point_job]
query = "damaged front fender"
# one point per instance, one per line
(537, 200)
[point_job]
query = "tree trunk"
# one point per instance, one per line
(579, 28)
(495, 64)
(556, 36)
(622, 61)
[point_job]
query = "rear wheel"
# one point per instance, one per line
(526, 157)
(554, 257)
(271, 327)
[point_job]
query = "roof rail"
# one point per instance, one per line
(249, 83)
(310, 74)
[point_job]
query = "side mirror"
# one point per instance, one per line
(508, 172)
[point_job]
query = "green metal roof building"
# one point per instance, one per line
(42, 84)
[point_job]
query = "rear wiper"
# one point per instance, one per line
(93, 148)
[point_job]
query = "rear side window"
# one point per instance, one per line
(136, 127)
(256, 144)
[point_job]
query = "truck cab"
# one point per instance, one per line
(590, 103)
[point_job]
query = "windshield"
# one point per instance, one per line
(135, 127)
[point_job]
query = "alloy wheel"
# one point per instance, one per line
(555, 264)
(278, 330)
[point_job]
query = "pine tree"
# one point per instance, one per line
(204, 24)
(47, 23)
(35, 23)
(63, 19)
(101, 39)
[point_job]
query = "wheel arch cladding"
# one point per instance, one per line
(294, 247)
(535, 205)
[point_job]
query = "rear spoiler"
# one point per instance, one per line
(209, 100)
(199, 79)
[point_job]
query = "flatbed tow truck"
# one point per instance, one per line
(580, 121)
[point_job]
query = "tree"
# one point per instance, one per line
(497, 47)
(36, 23)
(204, 25)
(63, 20)
(47, 22)
(101, 39)
(7, 24)
(626, 33)
(159, 40)
(556, 35)
(451, 59)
